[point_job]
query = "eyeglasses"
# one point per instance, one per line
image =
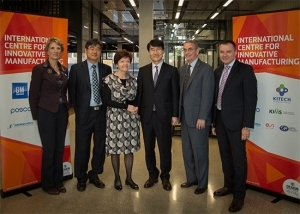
(155, 50)
(94, 49)
(188, 50)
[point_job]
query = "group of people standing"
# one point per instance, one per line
(110, 106)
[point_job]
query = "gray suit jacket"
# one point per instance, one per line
(199, 94)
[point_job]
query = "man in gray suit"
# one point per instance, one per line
(196, 99)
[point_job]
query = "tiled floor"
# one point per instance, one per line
(153, 200)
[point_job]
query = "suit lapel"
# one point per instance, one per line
(85, 73)
(162, 72)
(233, 70)
(194, 73)
(149, 75)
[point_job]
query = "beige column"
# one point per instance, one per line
(120, 46)
(145, 30)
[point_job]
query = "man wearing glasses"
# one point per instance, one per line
(158, 95)
(84, 89)
(196, 99)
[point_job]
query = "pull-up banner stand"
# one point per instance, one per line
(22, 46)
(270, 43)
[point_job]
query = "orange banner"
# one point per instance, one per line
(270, 43)
(22, 40)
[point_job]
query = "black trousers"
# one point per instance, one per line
(52, 128)
(162, 132)
(233, 156)
(96, 127)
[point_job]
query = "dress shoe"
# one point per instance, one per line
(98, 183)
(53, 192)
(166, 185)
(236, 205)
(81, 186)
(132, 184)
(150, 182)
(62, 189)
(223, 191)
(188, 184)
(118, 184)
(199, 191)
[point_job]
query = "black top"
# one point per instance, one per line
(106, 98)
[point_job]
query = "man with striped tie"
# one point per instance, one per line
(234, 112)
(158, 94)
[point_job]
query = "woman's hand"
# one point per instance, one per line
(132, 109)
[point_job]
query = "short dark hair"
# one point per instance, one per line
(156, 43)
(120, 54)
(93, 42)
(57, 41)
(228, 41)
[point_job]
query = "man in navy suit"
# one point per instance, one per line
(158, 94)
(84, 89)
(196, 100)
(234, 113)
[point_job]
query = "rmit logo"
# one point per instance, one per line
(19, 90)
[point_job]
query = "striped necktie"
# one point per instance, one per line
(222, 85)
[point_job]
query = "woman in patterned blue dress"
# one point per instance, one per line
(122, 129)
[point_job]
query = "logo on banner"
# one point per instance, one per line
(291, 187)
(19, 90)
(257, 109)
(282, 90)
(285, 128)
(17, 125)
(269, 125)
(257, 124)
(275, 111)
(17, 110)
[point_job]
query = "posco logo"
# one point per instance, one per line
(18, 110)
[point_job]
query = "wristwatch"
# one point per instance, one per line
(246, 128)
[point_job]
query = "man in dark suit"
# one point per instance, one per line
(158, 94)
(196, 99)
(84, 89)
(234, 112)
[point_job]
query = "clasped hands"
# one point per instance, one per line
(132, 109)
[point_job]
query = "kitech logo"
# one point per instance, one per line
(19, 90)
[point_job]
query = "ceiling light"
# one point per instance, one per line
(197, 31)
(227, 3)
(171, 35)
(180, 3)
(214, 16)
(203, 25)
(86, 27)
(96, 32)
(177, 15)
(132, 3)
(138, 14)
(103, 42)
